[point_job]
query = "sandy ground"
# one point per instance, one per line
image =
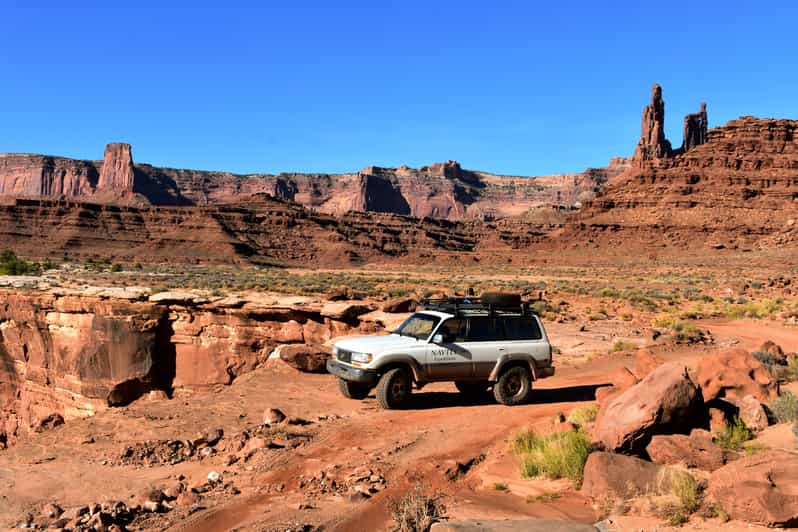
(77, 463)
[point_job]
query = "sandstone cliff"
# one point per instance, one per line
(440, 190)
(73, 354)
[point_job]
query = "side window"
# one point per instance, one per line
(522, 329)
(483, 330)
(453, 330)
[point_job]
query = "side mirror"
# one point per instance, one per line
(437, 339)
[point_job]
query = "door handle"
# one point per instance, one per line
(502, 349)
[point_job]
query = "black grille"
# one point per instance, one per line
(344, 355)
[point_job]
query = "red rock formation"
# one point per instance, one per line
(117, 169)
(695, 129)
(440, 190)
(736, 190)
(73, 355)
(653, 144)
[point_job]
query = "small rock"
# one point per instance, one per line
(214, 477)
(212, 437)
(273, 416)
(52, 510)
(187, 498)
(359, 496)
(157, 395)
(75, 512)
(151, 506)
(752, 413)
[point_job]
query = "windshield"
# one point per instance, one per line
(418, 326)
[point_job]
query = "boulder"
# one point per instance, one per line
(622, 378)
(761, 488)
(273, 416)
(399, 305)
(623, 476)
(772, 348)
(310, 358)
(735, 373)
(344, 311)
(665, 402)
(48, 422)
(646, 362)
(752, 413)
(696, 450)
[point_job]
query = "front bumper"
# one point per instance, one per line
(348, 373)
(542, 373)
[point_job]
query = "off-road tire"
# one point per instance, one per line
(353, 390)
(394, 388)
(502, 299)
(513, 386)
(472, 388)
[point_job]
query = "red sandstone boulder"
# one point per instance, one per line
(311, 358)
(622, 378)
(752, 413)
(772, 348)
(610, 474)
(735, 373)
(665, 402)
(399, 305)
(696, 450)
(646, 362)
(761, 488)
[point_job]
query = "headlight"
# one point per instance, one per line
(362, 358)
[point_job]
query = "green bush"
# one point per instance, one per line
(557, 455)
(785, 408)
(734, 435)
(10, 264)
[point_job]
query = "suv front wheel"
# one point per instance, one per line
(394, 388)
(353, 390)
(513, 386)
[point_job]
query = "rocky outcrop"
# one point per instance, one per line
(665, 402)
(695, 129)
(735, 373)
(653, 145)
(624, 477)
(72, 355)
(117, 169)
(762, 489)
(696, 450)
(736, 190)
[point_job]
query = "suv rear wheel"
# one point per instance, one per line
(353, 390)
(513, 386)
(472, 388)
(394, 388)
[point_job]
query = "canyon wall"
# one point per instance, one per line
(440, 190)
(262, 230)
(72, 354)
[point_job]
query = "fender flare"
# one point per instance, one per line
(507, 358)
(415, 366)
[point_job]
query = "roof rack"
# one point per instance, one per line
(473, 306)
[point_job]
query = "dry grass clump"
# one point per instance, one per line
(734, 435)
(416, 511)
(785, 408)
(556, 455)
(582, 415)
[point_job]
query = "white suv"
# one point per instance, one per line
(493, 341)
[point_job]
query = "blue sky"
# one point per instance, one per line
(510, 87)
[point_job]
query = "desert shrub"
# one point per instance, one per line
(116, 267)
(785, 408)
(583, 414)
(10, 264)
(734, 435)
(556, 455)
(500, 486)
(790, 373)
(416, 511)
(620, 345)
(795, 429)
